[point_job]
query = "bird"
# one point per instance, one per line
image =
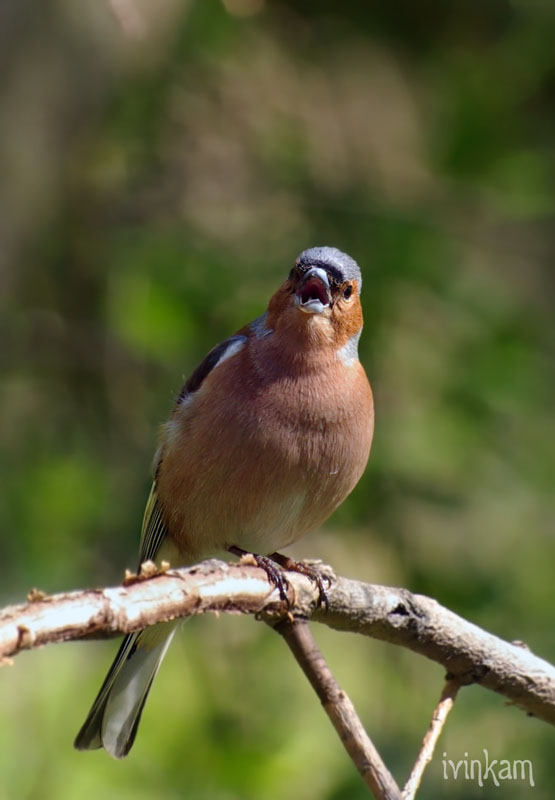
(267, 437)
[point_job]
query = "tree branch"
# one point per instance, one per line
(339, 709)
(468, 653)
(439, 718)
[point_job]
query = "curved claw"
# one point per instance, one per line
(311, 572)
(272, 569)
(274, 564)
(275, 575)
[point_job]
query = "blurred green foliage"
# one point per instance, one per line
(163, 164)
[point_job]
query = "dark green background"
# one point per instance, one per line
(159, 175)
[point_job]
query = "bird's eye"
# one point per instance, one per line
(347, 292)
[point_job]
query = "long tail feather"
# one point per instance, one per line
(114, 717)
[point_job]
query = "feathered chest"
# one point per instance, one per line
(313, 413)
(265, 454)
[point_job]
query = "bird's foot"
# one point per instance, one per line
(272, 570)
(312, 572)
(274, 564)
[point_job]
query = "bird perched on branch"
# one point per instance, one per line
(268, 436)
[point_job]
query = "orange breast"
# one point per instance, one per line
(261, 456)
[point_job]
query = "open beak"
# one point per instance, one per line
(312, 294)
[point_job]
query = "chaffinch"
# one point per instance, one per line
(267, 437)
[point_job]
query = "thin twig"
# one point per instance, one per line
(339, 709)
(439, 717)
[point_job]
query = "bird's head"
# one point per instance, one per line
(321, 297)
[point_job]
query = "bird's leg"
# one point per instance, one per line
(272, 570)
(311, 572)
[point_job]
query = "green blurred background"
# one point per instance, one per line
(162, 165)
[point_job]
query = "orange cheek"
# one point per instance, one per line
(346, 320)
